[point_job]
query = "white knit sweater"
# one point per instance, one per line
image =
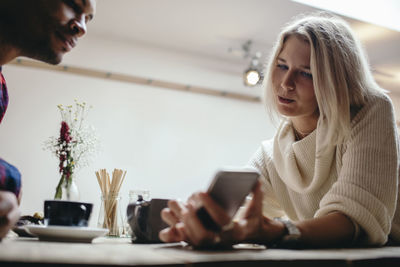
(358, 178)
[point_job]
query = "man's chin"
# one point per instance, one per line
(50, 58)
(55, 60)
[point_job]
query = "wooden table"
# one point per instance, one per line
(121, 252)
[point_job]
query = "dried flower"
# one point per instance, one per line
(75, 146)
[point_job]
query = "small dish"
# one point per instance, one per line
(21, 231)
(65, 233)
(25, 220)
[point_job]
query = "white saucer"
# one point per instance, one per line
(65, 233)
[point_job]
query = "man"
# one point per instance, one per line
(43, 30)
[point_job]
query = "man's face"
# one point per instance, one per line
(55, 28)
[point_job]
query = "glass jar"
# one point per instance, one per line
(110, 215)
(134, 195)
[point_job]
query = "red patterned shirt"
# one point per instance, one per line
(10, 178)
(3, 96)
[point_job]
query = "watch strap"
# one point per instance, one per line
(292, 237)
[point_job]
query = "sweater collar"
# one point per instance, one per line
(296, 161)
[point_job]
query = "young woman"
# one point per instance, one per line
(331, 168)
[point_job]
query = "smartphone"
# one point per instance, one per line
(229, 189)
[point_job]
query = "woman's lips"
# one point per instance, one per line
(285, 100)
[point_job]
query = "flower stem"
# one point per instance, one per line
(58, 194)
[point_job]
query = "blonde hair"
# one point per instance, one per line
(341, 76)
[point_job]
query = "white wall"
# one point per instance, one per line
(169, 142)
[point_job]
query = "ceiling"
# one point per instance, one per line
(209, 28)
(382, 12)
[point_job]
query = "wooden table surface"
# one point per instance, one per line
(121, 252)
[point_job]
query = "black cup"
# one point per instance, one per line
(145, 220)
(66, 213)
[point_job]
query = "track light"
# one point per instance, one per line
(253, 75)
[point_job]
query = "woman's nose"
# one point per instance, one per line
(78, 26)
(288, 81)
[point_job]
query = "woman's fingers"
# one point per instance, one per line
(248, 228)
(169, 217)
(217, 213)
(187, 228)
(255, 205)
(170, 234)
(185, 224)
(176, 207)
(172, 214)
(196, 233)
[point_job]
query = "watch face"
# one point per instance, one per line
(293, 232)
(292, 239)
(292, 229)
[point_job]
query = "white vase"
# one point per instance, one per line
(71, 193)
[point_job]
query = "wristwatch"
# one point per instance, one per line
(292, 237)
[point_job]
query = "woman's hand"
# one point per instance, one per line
(253, 226)
(184, 225)
(172, 216)
(9, 212)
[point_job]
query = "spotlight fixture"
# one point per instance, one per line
(253, 75)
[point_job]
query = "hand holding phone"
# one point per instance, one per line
(228, 189)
